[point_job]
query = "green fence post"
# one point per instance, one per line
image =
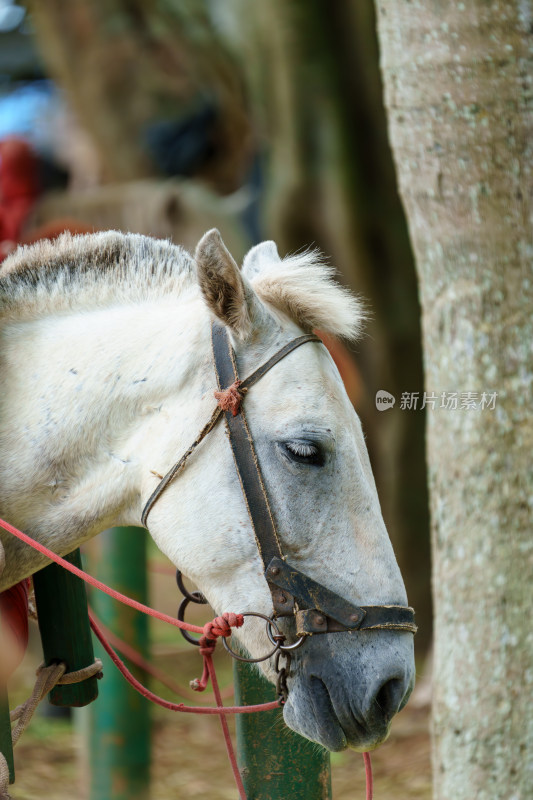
(275, 764)
(6, 747)
(119, 722)
(61, 602)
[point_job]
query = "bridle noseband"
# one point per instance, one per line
(315, 608)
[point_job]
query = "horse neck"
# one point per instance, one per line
(87, 403)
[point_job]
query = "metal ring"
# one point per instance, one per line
(192, 597)
(284, 648)
(181, 616)
(263, 658)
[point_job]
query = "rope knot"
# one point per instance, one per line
(231, 398)
(220, 626)
(207, 646)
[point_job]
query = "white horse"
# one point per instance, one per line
(107, 376)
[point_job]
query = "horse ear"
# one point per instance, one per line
(226, 293)
(259, 256)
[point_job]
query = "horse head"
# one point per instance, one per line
(345, 686)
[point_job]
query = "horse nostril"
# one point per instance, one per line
(389, 697)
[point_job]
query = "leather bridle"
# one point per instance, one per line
(315, 608)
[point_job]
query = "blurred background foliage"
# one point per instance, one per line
(265, 119)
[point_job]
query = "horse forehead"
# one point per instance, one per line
(306, 381)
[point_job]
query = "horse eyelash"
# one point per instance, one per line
(302, 449)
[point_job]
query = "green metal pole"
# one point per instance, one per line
(275, 764)
(6, 747)
(61, 602)
(6, 744)
(119, 722)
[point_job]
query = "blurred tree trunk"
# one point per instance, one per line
(458, 92)
(314, 69)
(127, 63)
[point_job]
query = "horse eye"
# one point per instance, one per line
(304, 452)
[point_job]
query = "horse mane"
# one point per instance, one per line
(102, 268)
(97, 269)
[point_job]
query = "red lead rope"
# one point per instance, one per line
(220, 626)
(122, 598)
(220, 709)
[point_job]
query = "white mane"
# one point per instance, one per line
(101, 269)
(92, 270)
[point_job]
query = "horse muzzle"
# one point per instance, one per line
(344, 690)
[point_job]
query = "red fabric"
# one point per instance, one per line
(14, 610)
(19, 186)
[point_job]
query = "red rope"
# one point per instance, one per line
(225, 730)
(231, 398)
(220, 626)
(368, 776)
(133, 655)
(220, 709)
(122, 598)
(138, 686)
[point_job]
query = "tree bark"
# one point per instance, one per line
(458, 91)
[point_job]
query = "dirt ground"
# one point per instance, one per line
(50, 761)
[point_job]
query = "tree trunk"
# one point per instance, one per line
(126, 64)
(458, 91)
(314, 71)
